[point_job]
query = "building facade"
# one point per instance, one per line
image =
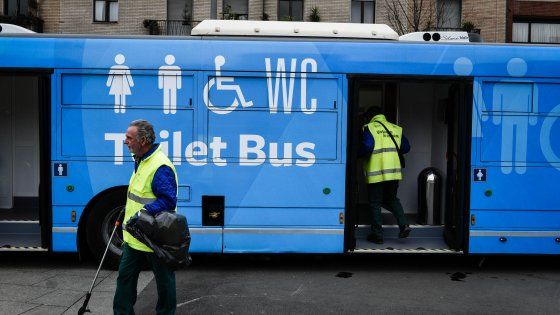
(533, 22)
(497, 20)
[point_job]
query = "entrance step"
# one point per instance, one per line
(403, 246)
(24, 235)
(422, 239)
(22, 249)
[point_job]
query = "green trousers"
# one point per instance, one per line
(129, 269)
(384, 194)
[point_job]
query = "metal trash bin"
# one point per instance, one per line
(430, 187)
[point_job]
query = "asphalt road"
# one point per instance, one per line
(395, 284)
(44, 284)
(302, 284)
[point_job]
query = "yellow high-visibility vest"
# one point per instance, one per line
(140, 192)
(384, 163)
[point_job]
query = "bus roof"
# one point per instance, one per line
(294, 29)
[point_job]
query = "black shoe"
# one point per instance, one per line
(405, 231)
(375, 239)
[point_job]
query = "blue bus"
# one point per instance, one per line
(264, 132)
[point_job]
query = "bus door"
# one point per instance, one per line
(24, 161)
(515, 170)
(458, 157)
(276, 159)
(435, 118)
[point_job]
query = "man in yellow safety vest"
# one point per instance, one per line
(153, 187)
(381, 143)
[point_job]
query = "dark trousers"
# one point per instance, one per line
(384, 194)
(129, 269)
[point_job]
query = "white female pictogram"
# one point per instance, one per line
(169, 80)
(120, 82)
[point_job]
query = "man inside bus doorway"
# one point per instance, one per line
(153, 187)
(381, 142)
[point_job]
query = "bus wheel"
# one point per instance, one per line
(100, 225)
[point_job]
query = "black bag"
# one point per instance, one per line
(167, 234)
(401, 156)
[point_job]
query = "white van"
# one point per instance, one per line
(13, 29)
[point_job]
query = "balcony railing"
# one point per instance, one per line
(170, 27)
(235, 16)
(29, 22)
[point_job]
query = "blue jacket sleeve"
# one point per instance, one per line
(164, 187)
(405, 145)
(367, 145)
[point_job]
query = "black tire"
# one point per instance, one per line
(100, 225)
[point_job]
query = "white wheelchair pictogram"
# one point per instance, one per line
(219, 81)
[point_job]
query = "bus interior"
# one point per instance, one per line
(435, 116)
(24, 161)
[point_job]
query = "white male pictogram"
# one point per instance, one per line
(169, 80)
(516, 104)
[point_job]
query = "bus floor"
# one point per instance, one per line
(422, 239)
(24, 209)
(19, 226)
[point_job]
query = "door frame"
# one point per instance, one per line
(456, 236)
(46, 87)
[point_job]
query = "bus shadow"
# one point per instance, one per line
(335, 263)
(387, 262)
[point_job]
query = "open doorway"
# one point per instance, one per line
(24, 159)
(435, 116)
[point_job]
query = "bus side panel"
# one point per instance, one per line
(88, 146)
(515, 206)
(281, 169)
(64, 239)
(205, 239)
(65, 230)
(286, 240)
(536, 243)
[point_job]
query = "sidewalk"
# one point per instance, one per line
(39, 286)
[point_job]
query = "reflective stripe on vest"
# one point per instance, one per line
(139, 199)
(384, 150)
(383, 172)
(140, 191)
(383, 163)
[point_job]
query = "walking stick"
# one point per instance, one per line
(84, 308)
